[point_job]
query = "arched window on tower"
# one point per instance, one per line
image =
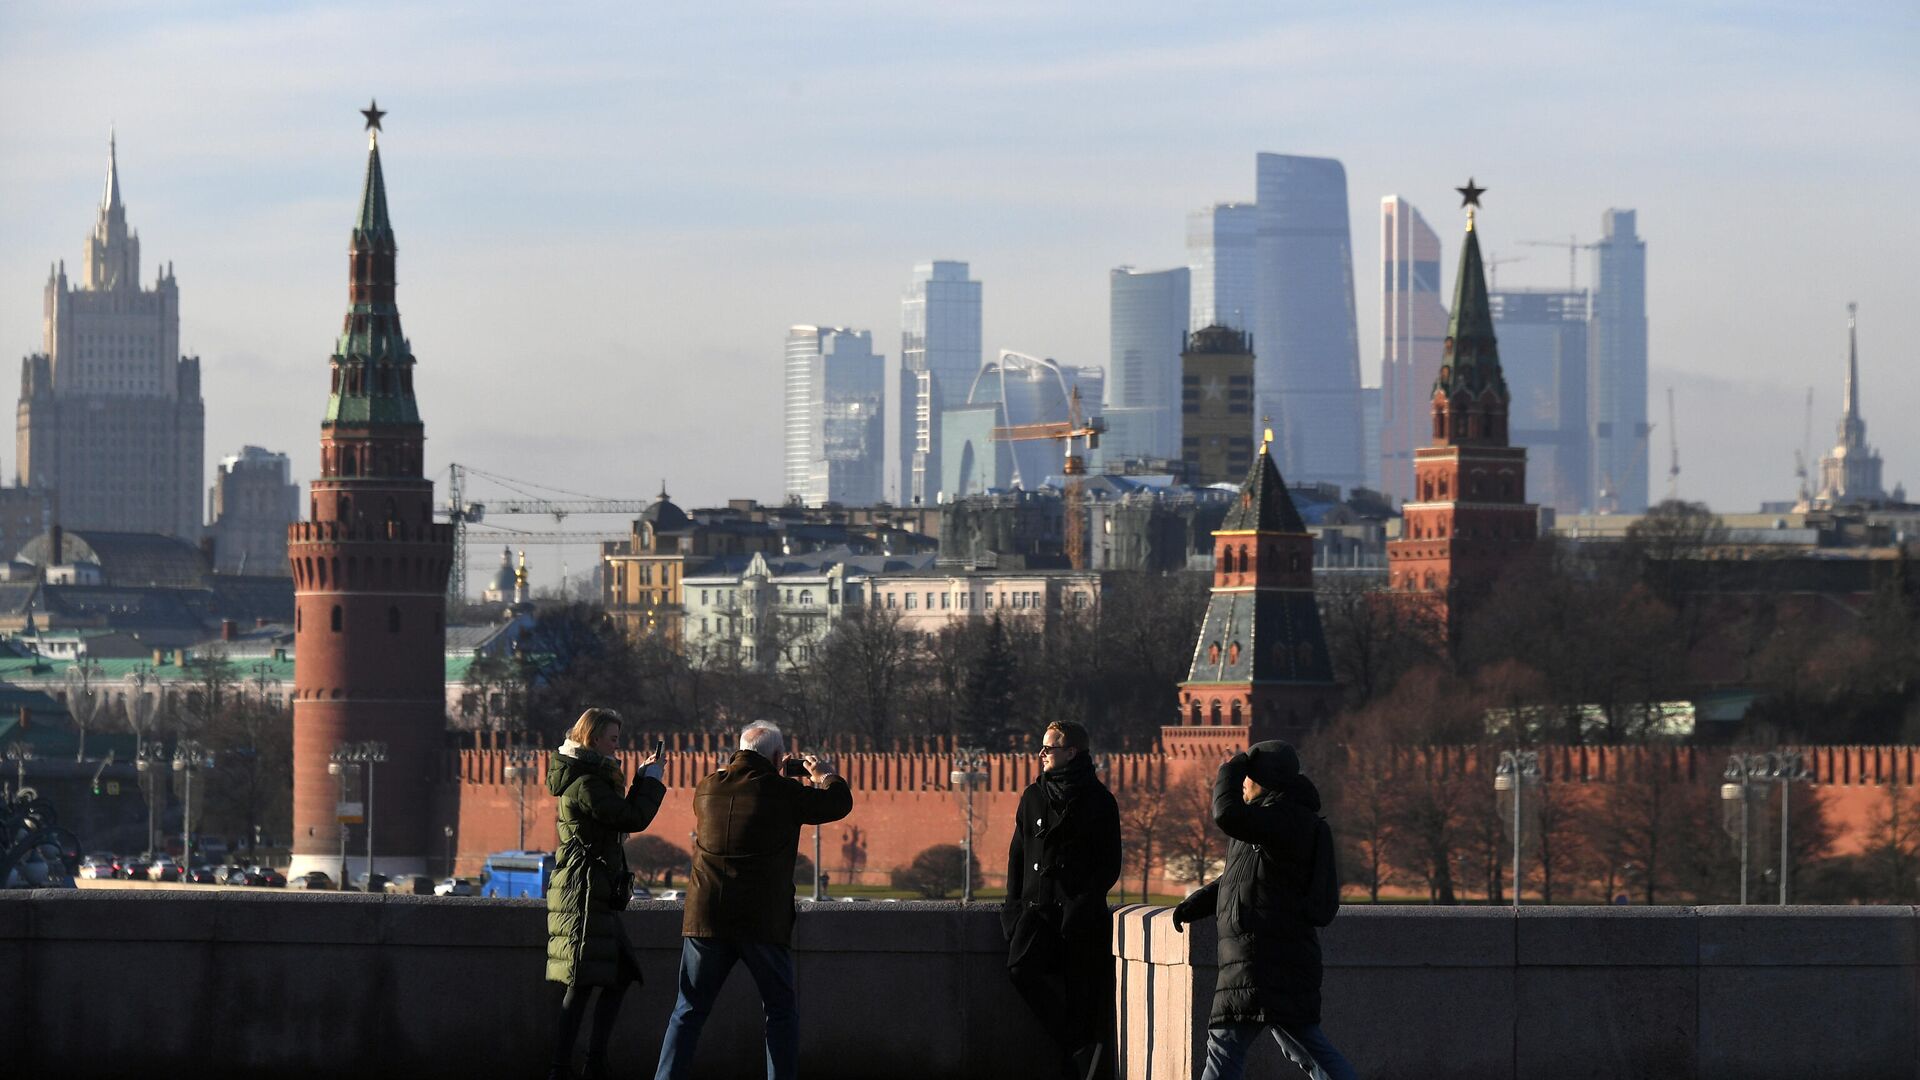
(336, 618)
(1237, 717)
(1193, 712)
(1214, 713)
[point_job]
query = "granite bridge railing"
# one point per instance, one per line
(102, 983)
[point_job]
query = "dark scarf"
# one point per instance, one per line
(1064, 783)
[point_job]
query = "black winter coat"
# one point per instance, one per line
(1269, 953)
(1061, 862)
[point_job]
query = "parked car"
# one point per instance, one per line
(315, 880)
(133, 868)
(454, 886)
(362, 882)
(202, 875)
(99, 865)
(164, 868)
(410, 885)
(641, 892)
(670, 894)
(267, 876)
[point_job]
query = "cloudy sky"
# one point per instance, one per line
(609, 214)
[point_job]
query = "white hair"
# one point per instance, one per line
(763, 737)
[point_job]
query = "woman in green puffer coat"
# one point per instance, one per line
(586, 944)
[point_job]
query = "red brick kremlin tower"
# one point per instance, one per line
(1469, 516)
(1260, 669)
(370, 577)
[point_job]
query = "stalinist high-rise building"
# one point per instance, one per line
(110, 414)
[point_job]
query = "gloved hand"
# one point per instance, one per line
(655, 771)
(1179, 920)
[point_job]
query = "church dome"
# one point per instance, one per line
(499, 588)
(663, 515)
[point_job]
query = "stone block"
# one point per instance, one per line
(294, 918)
(1607, 936)
(123, 915)
(1761, 1023)
(1423, 1022)
(1391, 936)
(1759, 936)
(1590, 1021)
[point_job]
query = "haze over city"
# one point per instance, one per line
(612, 217)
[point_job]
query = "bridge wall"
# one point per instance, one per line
(104, 982)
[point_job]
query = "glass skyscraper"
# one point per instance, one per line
(939, 358)
(1617, 366)
(1147, 323)
(835, 433)
(1543, 350)
(1413, 331)
(1220, 243)
(1305, 334)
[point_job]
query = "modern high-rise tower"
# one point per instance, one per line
(1220, 243)
(1304, 329)
(1543, 350)
(110, 414)
(370, 573)
(1850, 472)
(1413, 325)
(834, 416)
(1147, 325)
(1617, 366)
(939, 357)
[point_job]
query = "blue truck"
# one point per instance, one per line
(518, 874)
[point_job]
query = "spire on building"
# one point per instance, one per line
(111, 200)
(373, 364)
(1470, 359)
(1850, 409)
(1264, 503)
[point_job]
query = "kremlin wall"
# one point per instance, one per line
(903, 803)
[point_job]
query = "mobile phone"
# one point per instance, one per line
(659, 748)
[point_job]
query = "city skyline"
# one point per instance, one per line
(640, 225)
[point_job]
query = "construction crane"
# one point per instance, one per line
(1493, 269)
(1805, 451)
(1574, 247)
(1075, 468)
(462, 512)
(1673, 450)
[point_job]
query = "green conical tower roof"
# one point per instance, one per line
(1471, 360)
(373, 198)
(1264, 503)
(372, 361)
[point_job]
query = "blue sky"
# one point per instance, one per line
(608, 215)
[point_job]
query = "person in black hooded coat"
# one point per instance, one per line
(1269, 952)
(1062, 860)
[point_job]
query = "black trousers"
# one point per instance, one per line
(1071, 994)
(573, 1009)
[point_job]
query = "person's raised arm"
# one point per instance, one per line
(828, 798)
(1231, 811)
(630, 814)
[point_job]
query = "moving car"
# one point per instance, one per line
(163, 868)
(133, 868)
(455, 887)
(670, 894)
(99, 865)
(316, 880)
(202, 875)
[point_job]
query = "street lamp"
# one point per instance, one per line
(520, 769)
(148, 759)
(1744, 773)
(189, 757)
(969, 770)
(448, 831)
(19, 753)
(1516, 770)
(369, 754)
(266, 684)
(83, 701)
(143, 694)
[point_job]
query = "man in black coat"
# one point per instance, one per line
(1269, 952)
(1064, 856)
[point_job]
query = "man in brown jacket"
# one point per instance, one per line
(740, 904)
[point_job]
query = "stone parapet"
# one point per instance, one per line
(296, 985)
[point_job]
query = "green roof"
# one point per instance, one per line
(1471, 361)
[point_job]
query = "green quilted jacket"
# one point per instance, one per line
(584, 935)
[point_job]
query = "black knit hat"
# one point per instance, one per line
(1272, 763)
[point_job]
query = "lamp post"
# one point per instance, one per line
(189, 757)
(447, 830)
(1745, 772)
(520, 769)
(19, 753)
(83, 701)
(968, 770)
(368, 754)
(1516, 770)
(143, 693)
(147, 759)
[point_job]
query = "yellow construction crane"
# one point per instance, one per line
(1073, 428)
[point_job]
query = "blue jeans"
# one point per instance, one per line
(1227, 1049)
(704, 965)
